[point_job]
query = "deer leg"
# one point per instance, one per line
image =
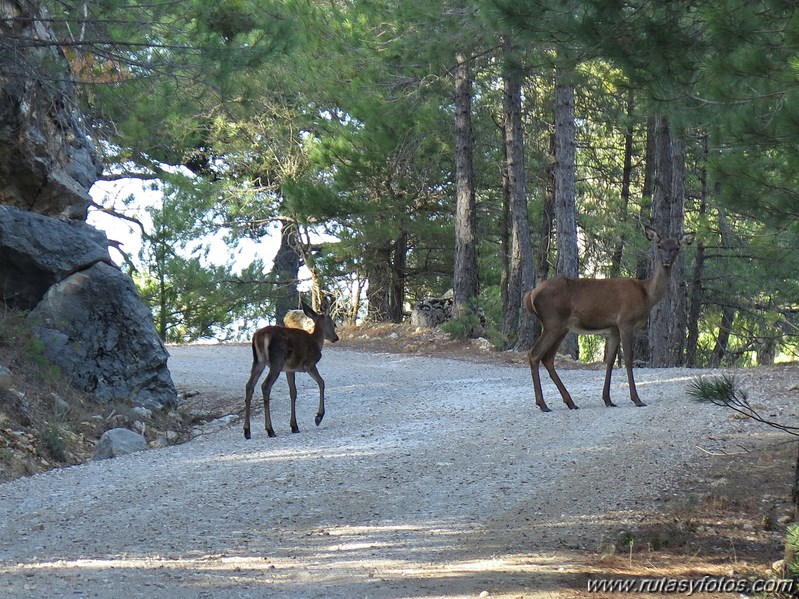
(293, 397)
(549, 364)
(320, 413)
(266, 388)
(627, 350)
(545, 343)
(534, 357)
(255, 374)
(610, 359)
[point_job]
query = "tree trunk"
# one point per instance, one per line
(387, 280)
(626, 179)
(505, 230)
(398, 264)
(668, 317)
(643, 350)
(465, 285)
(697, 296)
(565, 182)
(285, 272)
(723, 338)
(546, 228)
(517, 325)
(728, 312)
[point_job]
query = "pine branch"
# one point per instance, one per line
(725, 391)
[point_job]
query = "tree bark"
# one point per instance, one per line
(626, 179)
(465, 284)
(517, 325)
(565, 182)
(505, 230)
(387, 280)
(643, 350)
(668, 317)
(547, 226)
(697, 295)
(285, 272)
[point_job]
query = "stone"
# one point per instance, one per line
(117, 442)
(61, 406)
(38, 251)
(142, 412)
(47, 160)
(96, 329)
(85, 311)
(432, 312)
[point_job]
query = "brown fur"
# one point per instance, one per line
(615, 307)
(288, 350)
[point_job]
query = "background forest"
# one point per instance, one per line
(402, 149)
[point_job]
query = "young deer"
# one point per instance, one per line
(612, 306)
(289, 350)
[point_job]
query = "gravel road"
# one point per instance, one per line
(427, 478)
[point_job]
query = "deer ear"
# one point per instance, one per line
(651, 234)
(687, 239)
(308, 310)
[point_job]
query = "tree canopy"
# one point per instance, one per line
(333, 125)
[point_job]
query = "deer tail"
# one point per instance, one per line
(260, 346)
(527, 300)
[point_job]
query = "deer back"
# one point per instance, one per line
(588, 305)
(290, 349)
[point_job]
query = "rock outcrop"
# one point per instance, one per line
(47, 161)
(84, 309)
(37, 251)
(54, 266)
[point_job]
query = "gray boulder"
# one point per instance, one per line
(432, 312)
(94, 326)
(86, 312)
(52, 264)
(37, 251)
(117, 442)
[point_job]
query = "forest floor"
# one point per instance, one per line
(722, 513)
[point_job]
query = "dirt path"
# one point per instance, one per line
(427, 478)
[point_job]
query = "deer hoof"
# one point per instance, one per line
(610, 404)
(574, 406)
(318, 419)
(247, 433)
(544, 409)
(295, 429)
(639, 404)
(270, 432)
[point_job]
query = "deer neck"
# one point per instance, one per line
(658, 284)
(319, 335)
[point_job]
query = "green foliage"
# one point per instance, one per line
(338, 117)
(36, 352)
(721, 390)
(465, 325)
(53, 439)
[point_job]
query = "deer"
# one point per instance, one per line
(289, 350)
(615, 307)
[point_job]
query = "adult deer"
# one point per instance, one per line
(289, 350)
(615, 307)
